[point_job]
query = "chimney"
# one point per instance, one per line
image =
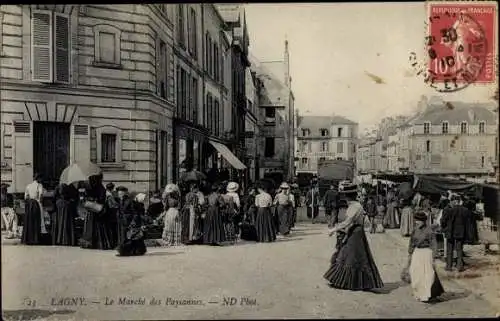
(287, 64)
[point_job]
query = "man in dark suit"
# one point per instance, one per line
(330, 201)
(453, 224)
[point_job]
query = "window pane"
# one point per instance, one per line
(108, 148)
(107, 47)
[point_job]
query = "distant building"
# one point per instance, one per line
(454, 138)
(277, 100)
(324, 138)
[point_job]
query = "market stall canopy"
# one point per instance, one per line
(405, 190)
(437, 185)
(396, 178)
(228, 155)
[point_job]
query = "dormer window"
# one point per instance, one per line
(324, 132)
(427, 128)
(305, 132)
(482, 126)
(444, 127)
(463, 127)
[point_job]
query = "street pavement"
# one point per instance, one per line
(276, 280)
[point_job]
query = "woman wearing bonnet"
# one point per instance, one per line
(352, 265)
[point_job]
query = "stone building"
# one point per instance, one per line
(253, 121)
(277, 100)
(80, 86)
(234, 18)
(324, 138)
(457, 140)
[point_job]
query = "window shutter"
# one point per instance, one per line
(62, 45)
(41, 44)
(80, 143)
(22, 162)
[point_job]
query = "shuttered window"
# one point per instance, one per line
(108, 148)
(50, 41)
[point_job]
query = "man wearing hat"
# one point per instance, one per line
(9, 216)
(285, 202)
(330, 201)
(453, 225)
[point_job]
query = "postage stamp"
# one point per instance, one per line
(461, 44)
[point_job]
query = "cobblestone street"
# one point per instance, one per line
(282, 279)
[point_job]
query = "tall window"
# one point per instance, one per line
(444, 127)
(216, 62)
(304, 146)
(481, 127)
(322, 159)
(340, 147)
(324, 146)
(339, 132)
(50, 42)
(182, 96)
(193, 45)
(482, 161)
(305, 132)
(217, 120)
(324, 132)
(427, 128)
(269, 147)
(108, 145)
(463, 127)
(180, 26)
(162, 70)
(428, 146)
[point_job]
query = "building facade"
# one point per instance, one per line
(78, 86)
(324, 138)
(277, 101)
(458, 141)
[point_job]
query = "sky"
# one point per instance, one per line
(333, 45)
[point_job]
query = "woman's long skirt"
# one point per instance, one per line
(407, 221)
(190, 226)
(32, 230)
(264, 226)
(172, 229)
(95, 233)
(379, 219)
(214, 232)
(353, 267)
(390, 220)
(63, 224)
(284, 219)
(424, 279)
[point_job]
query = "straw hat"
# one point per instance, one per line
(232, 187)
(284, 185)
(171, 188)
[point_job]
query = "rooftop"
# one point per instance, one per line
(456, 112)
(318, 122)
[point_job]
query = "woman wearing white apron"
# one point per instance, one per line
(424, 279)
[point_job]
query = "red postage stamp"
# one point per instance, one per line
(461, 43)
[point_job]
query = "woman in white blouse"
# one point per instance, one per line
(34, 223)
(352, 266)
(263, 220)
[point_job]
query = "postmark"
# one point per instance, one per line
(460, 45)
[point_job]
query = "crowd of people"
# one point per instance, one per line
(93, 216)
(218, 214)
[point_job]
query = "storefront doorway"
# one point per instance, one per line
(51, 144)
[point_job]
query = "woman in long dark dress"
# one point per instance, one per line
(96, 231)
(352, 266)
(264, 226)
(214, 233)
(133, 238)
(191, 216)
(63, 224)
(34, 230)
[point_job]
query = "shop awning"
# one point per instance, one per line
(228, 155)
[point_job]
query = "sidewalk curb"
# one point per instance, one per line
(441, 272)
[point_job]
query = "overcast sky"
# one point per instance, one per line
(333, 45)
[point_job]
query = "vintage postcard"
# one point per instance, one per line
(175, 161)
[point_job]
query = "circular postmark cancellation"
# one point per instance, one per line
(459, 45)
